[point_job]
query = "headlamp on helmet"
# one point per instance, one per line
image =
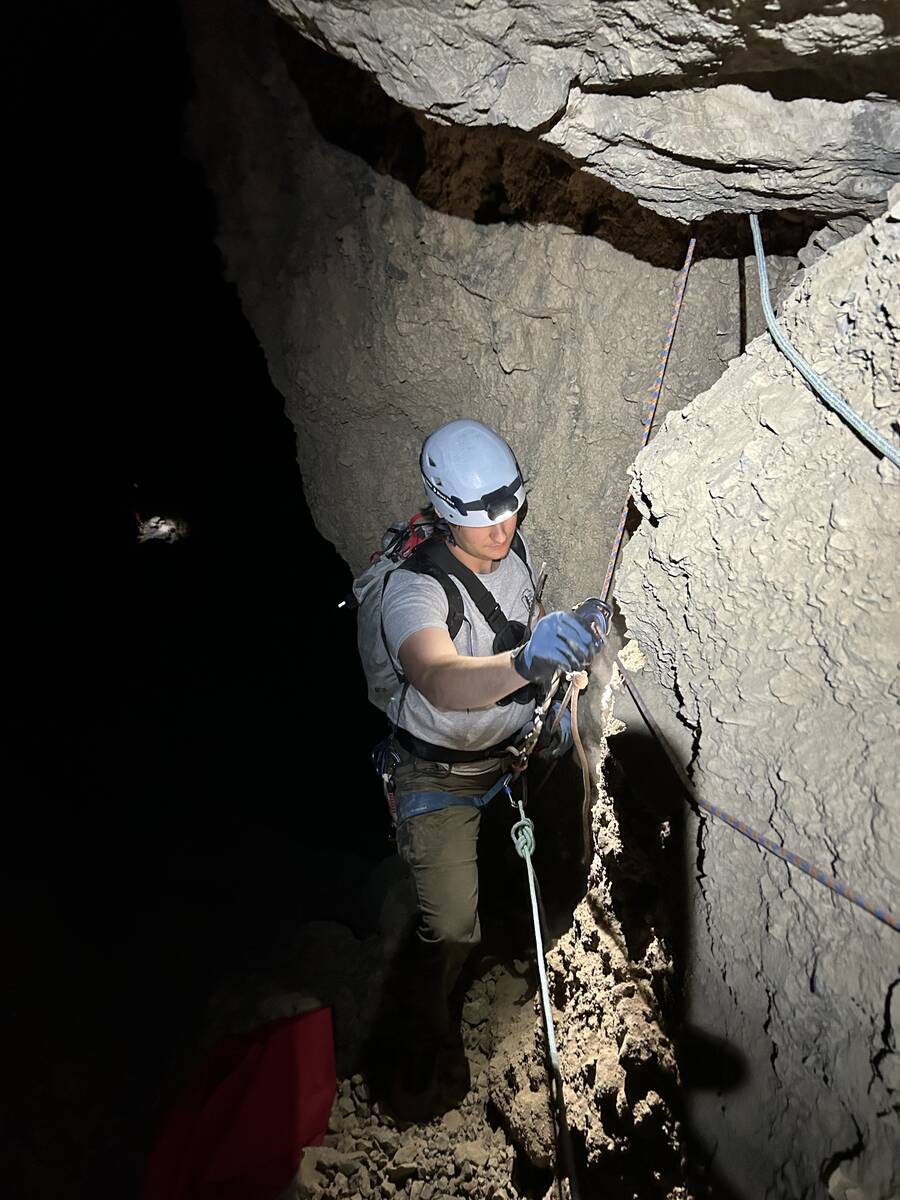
(470, 474)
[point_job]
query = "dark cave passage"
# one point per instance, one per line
(190, 743)
(190, 736)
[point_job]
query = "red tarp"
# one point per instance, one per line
(245, 1113)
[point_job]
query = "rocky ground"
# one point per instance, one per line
(463, 1153)
(469, 1152)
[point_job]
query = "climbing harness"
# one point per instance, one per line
(520, 755)
(650, 409)
(522, 834)
(384, 758)
(766, 843)
(815, 381)
(406, 548)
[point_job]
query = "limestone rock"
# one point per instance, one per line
(764, 591)
(476, 1010)
(494, 62)
(689, 153)
(475, 1154)
(382, 315)
(578, 74)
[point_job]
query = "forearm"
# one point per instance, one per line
(457, 682)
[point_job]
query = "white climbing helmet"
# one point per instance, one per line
(470, 474)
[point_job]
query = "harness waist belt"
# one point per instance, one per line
(416, 804)
(432, 753)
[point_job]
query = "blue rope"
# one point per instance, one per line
(815, 381)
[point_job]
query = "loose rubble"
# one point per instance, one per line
(366, 1153)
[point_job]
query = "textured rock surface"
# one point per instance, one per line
(693, 152)
(617, 1066)
(764, 586)
(577, 75)
(513, 62)
(383, 316)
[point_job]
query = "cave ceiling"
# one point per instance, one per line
(691, 106)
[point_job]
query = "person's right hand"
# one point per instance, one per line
(560, 642)
(596, 615)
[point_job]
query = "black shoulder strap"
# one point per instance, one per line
(519, 547)
(433, 558)
(421, 563)
(439, 555)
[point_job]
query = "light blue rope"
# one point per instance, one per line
(522, 834)
(815, 381)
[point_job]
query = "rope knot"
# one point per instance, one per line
(580, 679)
(522, 834)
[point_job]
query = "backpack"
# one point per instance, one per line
(410, 546)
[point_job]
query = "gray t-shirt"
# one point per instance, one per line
(412, 602)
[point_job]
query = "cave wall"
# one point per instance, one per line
(764, 588)
(400, 275)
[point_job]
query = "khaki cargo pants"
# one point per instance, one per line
(441, 850)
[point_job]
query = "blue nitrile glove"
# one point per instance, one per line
(560, 642)
(595, 615)
(556, 744)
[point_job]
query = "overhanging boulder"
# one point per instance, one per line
(692, 110)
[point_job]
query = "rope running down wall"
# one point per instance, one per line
(881, 911)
